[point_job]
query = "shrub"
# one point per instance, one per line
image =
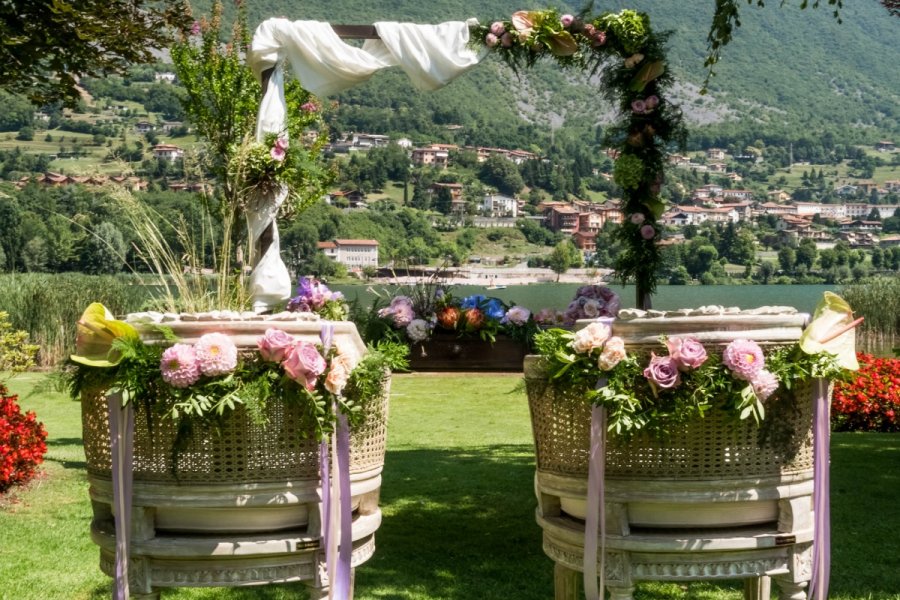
(22, 442)
(870, 402)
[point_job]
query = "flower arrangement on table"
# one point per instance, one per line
(471, 316)
(635, 78)
(687, 379)
(205, 380)
(315, 297)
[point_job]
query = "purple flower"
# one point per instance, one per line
(638, 107)
(179, 366)
(566, 20)
(400, 311)
(764, 384)
(662, 371)
(312, 295)
(648, 232)
(744, 358)
(195, 28)
(303, 363)
(491, 40)
(277, 154)
(637, 218)
(216, 354)
(497, 28)
(688, 353)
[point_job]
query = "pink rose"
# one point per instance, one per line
(613, 353)
(498, 28)
(647, 232)
(309, 107)
(652, 102)
(337, 377)
(662, 371)
(688, 353)
(637, 218)
(303, 363)
(566, 20)
(639, 107)
(590, 338)
(598, 38)
(274, 344)
(277, 154)
(491, 40)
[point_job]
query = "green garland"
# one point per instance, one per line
(635, 78)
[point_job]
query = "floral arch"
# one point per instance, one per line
(621, 47)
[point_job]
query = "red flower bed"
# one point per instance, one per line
(871, 402)
(22, 442)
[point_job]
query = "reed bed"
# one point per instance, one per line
(878, 300)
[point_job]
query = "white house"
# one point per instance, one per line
(168, 152)
(498, 205)
(353, 254)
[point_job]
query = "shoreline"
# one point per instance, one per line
(499, 277)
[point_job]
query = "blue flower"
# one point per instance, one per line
(474, 301)
(493, 309)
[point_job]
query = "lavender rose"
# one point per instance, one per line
(662, 372)
(274, 344)
(688, 353)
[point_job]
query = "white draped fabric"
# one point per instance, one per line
(431, 55)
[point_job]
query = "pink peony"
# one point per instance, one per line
(648, 232)
(491, 40)
(613, 353)
(498, 28)
(517, 315)
(566, 20)
(338, 374)
(688, 353)
(662, 371)
(274, 344)
(591, 338)
(303, 363)
(179, 366)
(764, 384)
(216, 353)
(744, 358)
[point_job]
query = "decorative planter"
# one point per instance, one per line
(718, 499)
(446, 351)
(239, 505)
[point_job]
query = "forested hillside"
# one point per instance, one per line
(789, 73)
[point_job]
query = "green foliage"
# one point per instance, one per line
(16, 354)
(49, 44)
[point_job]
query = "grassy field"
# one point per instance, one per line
(458, 509)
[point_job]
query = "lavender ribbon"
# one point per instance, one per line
(337, 567)
(821, 548)
(121, 444)
(596, 506)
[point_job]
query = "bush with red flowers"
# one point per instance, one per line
(871, 401)
(22, 442)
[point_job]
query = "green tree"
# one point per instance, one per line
(787, 258)
(807, 253)
(766, 271)
(700, 258)
(563, 257)
(34, 255)
(503, 174)
(103, 252)
(48, 45)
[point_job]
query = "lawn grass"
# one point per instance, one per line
(458, 507)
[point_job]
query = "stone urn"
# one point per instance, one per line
(238, 504)
(717, 499)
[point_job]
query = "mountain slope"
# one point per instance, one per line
(787, 69)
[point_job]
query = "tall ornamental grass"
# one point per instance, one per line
(878, 300)
(48, 305)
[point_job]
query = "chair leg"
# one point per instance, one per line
(757, 588)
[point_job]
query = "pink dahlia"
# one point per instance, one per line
(216, 354)
(764, 384)
(179, 365)
(744, 358)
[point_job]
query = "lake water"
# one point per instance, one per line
(668, 297)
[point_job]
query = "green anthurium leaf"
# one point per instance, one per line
(562, 44)
(648, 73)
(831, 330)
(656, 206)
(95, 332)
